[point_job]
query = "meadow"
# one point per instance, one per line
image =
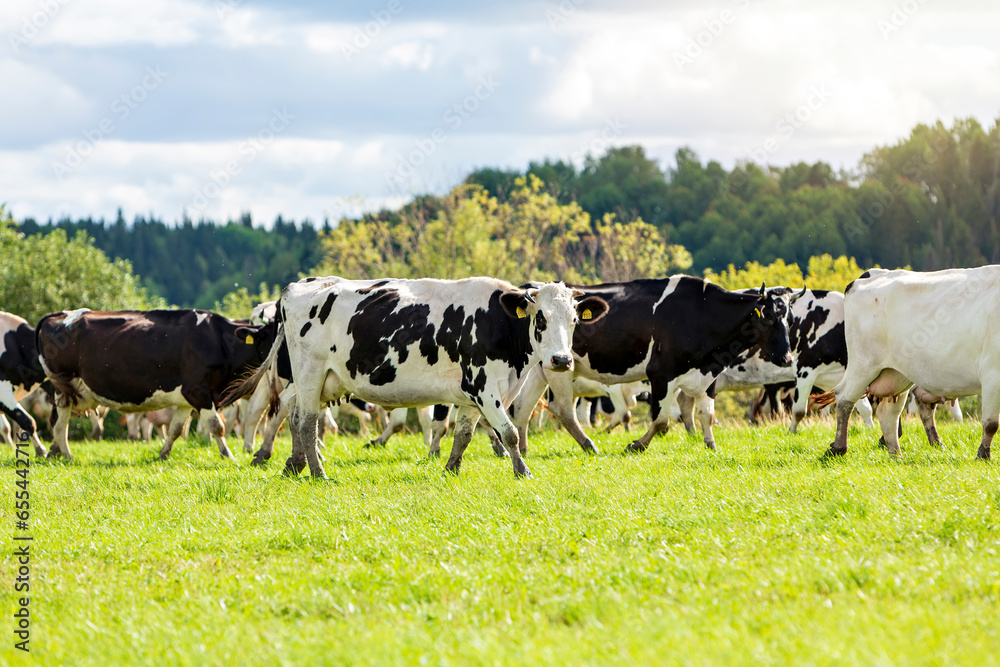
(758, 553)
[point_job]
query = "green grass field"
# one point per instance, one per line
(758, 553)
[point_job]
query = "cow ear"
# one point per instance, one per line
(248, 335)
(591, 309)
(515, 304)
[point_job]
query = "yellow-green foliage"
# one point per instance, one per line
(238, 304)
(44, 274)
(531, 236)
(823, 272)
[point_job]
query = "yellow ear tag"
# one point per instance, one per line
(757, 310)
(586, 315)
(249, 339)
(520, 313)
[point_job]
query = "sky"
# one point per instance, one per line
(212, 108)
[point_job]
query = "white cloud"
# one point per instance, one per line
(410, 55)
(358, 117)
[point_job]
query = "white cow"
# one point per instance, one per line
(938, 330)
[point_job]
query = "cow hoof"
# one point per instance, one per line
(451, 469)
(374, 443)
(54, 452)
(710, 445)
(258, 460)
(589, 447)
(636, 447)
(983, 454)
(293, 467)
(834, 453)
(881, 442)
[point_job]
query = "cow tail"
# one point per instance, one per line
(245, 387)
(825, 399)
(63, 393)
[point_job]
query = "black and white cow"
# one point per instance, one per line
(406, 343)
(816, 337)
(937, 330)
(20, 373)
(137, 361)
(679, 333)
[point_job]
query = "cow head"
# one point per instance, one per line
(770, 323)
(255, 341)
(554, 310)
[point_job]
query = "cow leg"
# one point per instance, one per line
(620, 400)
(864, 408)
(800, 400)
(561, 406)
(524, 403)
(179, 419)
(581, 406)
(256, 406)
(661, 396)
(888, 418)
(96, 423)
(498, 448)
(926, 412)
(493, 410)
(295, 463)
(706, 416)
(686, 404)
(304, 426)
(850, 390)
(465, 426)
(991, 417)
(5, 432)
(273, 424)
(425, 416)
(397, 420)
(439, 427)
(60, 432)
(133, 423)
(327, 423)
(216, 429)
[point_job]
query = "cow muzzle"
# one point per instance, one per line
(786, 361)
(561, 362)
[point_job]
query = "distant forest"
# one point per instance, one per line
(195, 265)
(929, 201)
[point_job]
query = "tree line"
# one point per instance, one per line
(196, 265)
(929, 201)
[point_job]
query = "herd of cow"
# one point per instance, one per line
(491, 349)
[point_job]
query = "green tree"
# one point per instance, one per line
(239, 304)
(44, 274)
